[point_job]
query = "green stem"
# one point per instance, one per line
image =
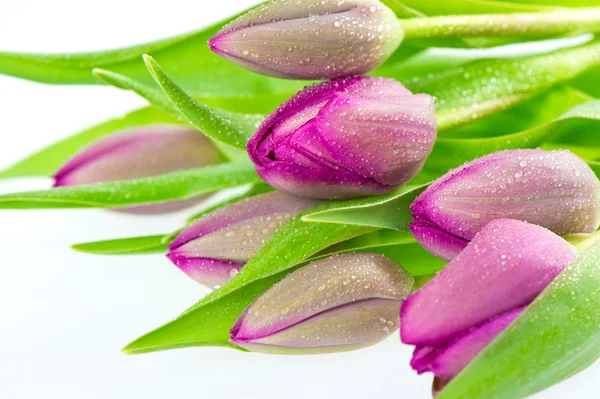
(536, 24)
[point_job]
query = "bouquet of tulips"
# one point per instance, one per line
(436, 192)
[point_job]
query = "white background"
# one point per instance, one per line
(65, 316)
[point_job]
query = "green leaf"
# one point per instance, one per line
(198, 70)
(555, 338)
(538, 110)
(125, 246)
(47, 161)
(450, 152)
(207, 325)
(387, 211)
(227, 127)
(168, 187)
(208, 322)
(485, 87)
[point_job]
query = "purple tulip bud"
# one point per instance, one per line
(311, 39)
(480, 293)
(553, 189)
(138, 153)
(345, 138)
(340, 303)
(213, 248)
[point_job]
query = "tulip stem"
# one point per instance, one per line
(581, 20)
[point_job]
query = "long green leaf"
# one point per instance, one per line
(485, 87)
(179, 185)
(556, 337)
(47, 161)
(125, 246)
(388, 211)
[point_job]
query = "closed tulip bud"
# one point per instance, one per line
(480, 293)
(345, 138)
(311, 39)
(553, 189)
(340, 303)
(212, 249)
(137, 153)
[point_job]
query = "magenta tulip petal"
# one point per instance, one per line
(208, 272)
(216, 246)
(138, 153)
(346, 138)
(353, 130)
(447, 361)
(506, 265)
(553, 189)
(438, 242)
(339, 303)
(312, 39)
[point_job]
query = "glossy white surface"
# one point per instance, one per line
(66, 315)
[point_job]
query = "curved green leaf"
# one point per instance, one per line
(47, 161)
(168, 187)
(555, 338)
(227, 127)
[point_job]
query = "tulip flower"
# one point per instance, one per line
(340, 303)
(214, 248)
(553, 189)
(311, 39)
(346, 138)
(480, 293)
(137, 153)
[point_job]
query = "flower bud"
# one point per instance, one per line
(212, 249)
(311, 39)
(553, 189)
(340, 303)
(345, 138)
(480, 293)
(137, 153)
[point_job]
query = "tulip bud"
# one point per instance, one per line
(138, 153)
(340, 303)
(553, 189)
(345, 138)
(480, 293)
(212, 249)
(311, 39)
